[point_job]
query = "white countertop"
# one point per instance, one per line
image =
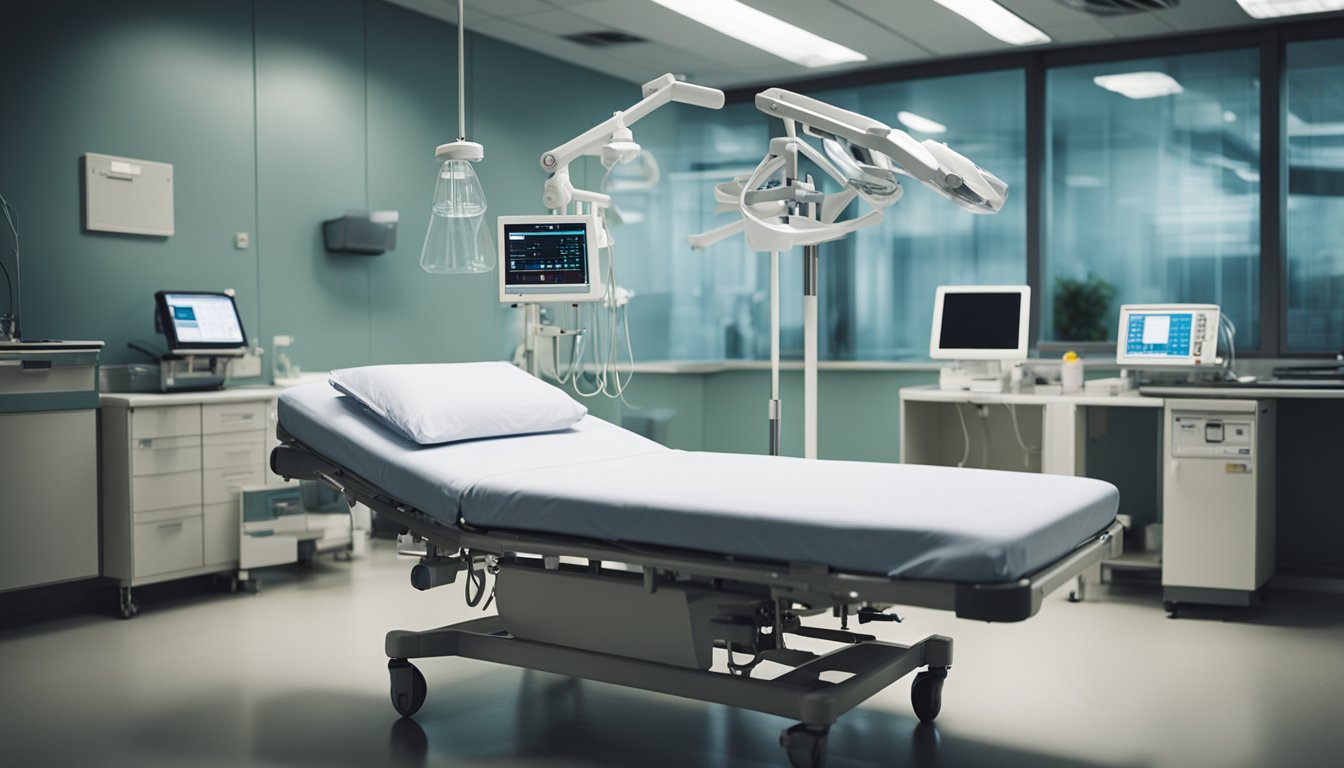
(932, 394)
(151, 399)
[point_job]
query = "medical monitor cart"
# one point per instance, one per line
(1218, 463)
(981, 327)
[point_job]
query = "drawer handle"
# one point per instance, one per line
(174, 526)
(237, 416)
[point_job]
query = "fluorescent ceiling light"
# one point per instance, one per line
(920, 123)
(761, 30)
(1273, 9)
(1140, 85)
(998, 21)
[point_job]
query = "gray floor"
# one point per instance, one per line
(295, 676)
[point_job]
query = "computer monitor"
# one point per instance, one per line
(200, 323)
(980, 322)
(548, 259)
(1167, 334)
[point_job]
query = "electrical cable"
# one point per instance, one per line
(965, 437)
(1026, 449)
(1225, 324)
(983, 411)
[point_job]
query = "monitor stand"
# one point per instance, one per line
(974, 375)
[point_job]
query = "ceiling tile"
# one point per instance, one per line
(932, 27)
(657, 23)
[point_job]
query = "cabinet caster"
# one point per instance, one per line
(128, 607)
(805, 745)
(926, 693)
(1074, 596)
(408, 687)
(1172, 608)
(250, 586)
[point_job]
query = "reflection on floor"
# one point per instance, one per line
(295, 676)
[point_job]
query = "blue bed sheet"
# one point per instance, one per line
(598, 481)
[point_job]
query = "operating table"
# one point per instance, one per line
(617, 560)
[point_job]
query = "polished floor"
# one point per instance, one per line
(295, 676)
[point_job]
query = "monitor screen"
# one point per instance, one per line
(200, 320)
(1167, 334)
(980, 322)
(1159, 334)
(548, 258)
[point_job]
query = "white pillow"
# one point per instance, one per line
(442, 403)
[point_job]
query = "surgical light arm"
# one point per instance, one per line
(870, 152)
(612, 141)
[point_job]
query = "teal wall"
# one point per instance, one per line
(276, 114)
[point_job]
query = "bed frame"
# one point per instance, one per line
(650, 617)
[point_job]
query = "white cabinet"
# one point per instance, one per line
(171, 469)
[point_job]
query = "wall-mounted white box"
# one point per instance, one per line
(128, 196)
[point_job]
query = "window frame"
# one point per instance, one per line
(1270, 40)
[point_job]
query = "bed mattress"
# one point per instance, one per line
(598, 481)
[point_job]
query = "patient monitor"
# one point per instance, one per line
(548, 259)
(981, 327)
(1167, 335)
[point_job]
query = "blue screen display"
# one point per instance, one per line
(1159, 334)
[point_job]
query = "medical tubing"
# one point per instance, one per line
(965, 436)
(774, 325)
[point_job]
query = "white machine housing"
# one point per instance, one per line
(589, 288)
(980, 368)
(1167, 335)
(1217, 500)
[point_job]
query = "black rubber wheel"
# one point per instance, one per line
(926, 693)
(408, 687)
(1074, 597)
(130, 611)
(805, 745)
(1172, 609)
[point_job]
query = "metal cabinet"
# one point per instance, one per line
(48, 463)
(1218, 501)
(172, 466)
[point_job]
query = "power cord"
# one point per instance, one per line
(13, 283)
(965, 437)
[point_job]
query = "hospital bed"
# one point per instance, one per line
(619, 560)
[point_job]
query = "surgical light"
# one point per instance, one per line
(1272, 9)
(458, 240)
(999, 22)
(1140, 85)
(761, 30)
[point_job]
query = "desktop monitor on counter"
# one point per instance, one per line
(1167, 335)
(980, 322)
(200, 323)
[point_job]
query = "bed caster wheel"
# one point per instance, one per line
(129, 609)
(408, 687)
(926, 693)
(805, 745)
(1075, 596)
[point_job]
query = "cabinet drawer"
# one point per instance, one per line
(242, 449)
(221, 485)
(166, 422)
(232, 417)
(172, 513)
(221, 533)
(176, 489)
(167, 545)
(161, 455)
